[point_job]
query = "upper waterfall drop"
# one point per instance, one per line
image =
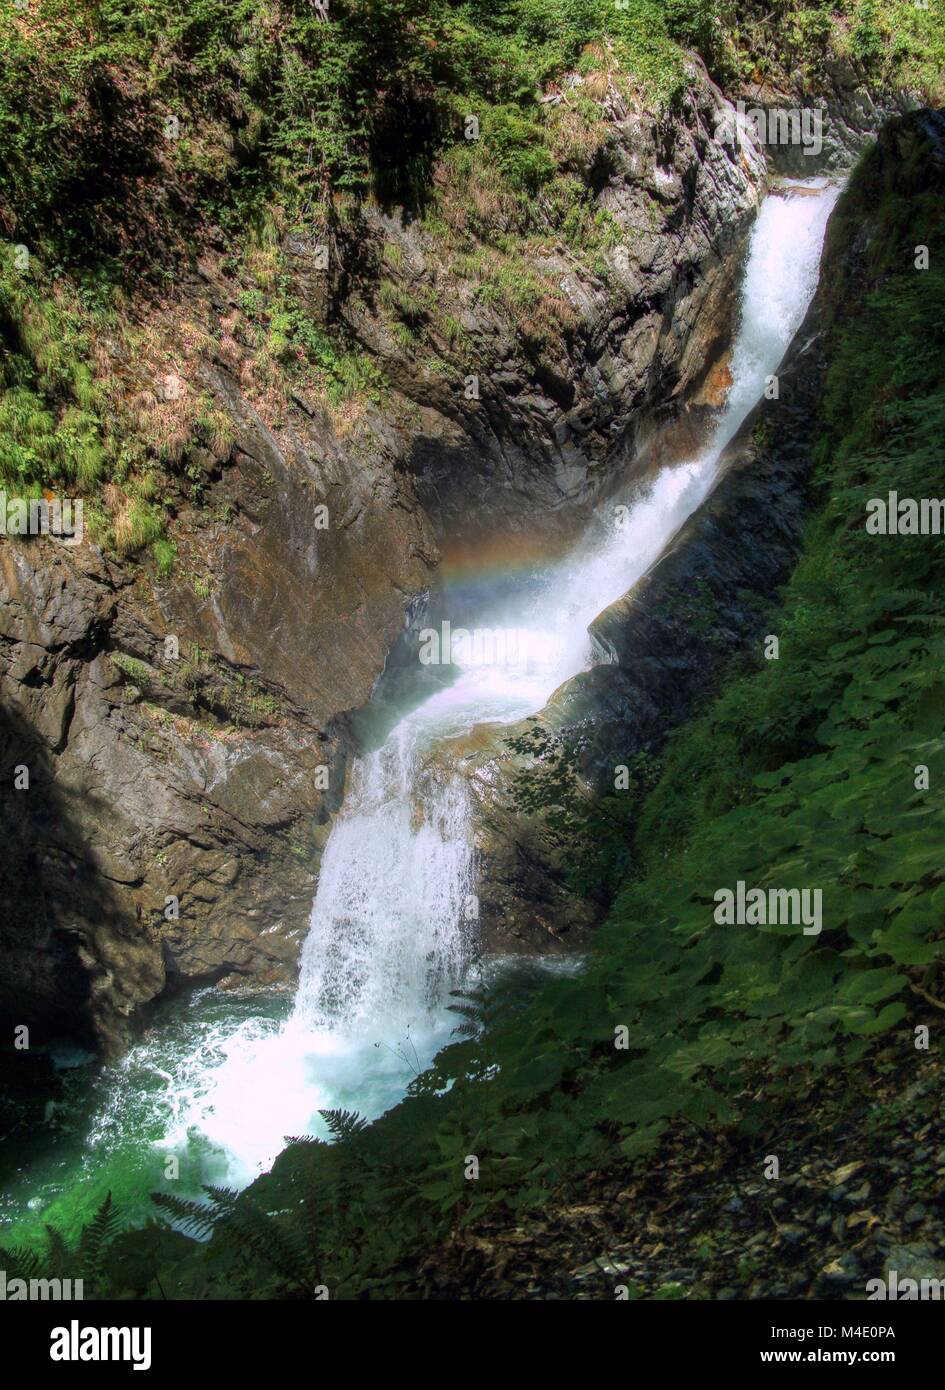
(780, 278)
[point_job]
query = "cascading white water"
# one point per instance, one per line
(779, 283)
(387, 926)
(387, 936)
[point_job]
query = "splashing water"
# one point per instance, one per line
(386, 936)
(224, 1081)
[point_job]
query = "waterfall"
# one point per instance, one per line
(779, 283)
(386, 935)
(225, 1082)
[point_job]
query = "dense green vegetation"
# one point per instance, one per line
(133, 133)
(238, 99)
(84, 1258)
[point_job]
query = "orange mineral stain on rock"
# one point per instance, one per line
(716, 386)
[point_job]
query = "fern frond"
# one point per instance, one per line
(193, 1218)
(58, 1254)
(222, 1199)
(285, 1250)
(94, 1241)
(466, 1010)
(20, 1263)
(343, 1124)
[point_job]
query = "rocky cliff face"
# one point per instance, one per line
(648, 329)
(185, 739)
(840, 119)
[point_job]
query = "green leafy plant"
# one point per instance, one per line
(86, 1258)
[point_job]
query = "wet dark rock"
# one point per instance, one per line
(131, 804)
(792, 1235)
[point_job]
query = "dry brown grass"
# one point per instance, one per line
(474, 199)
(120, 508)
(599, 80)
(576, 137)
(262, 258)
(165, 426)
